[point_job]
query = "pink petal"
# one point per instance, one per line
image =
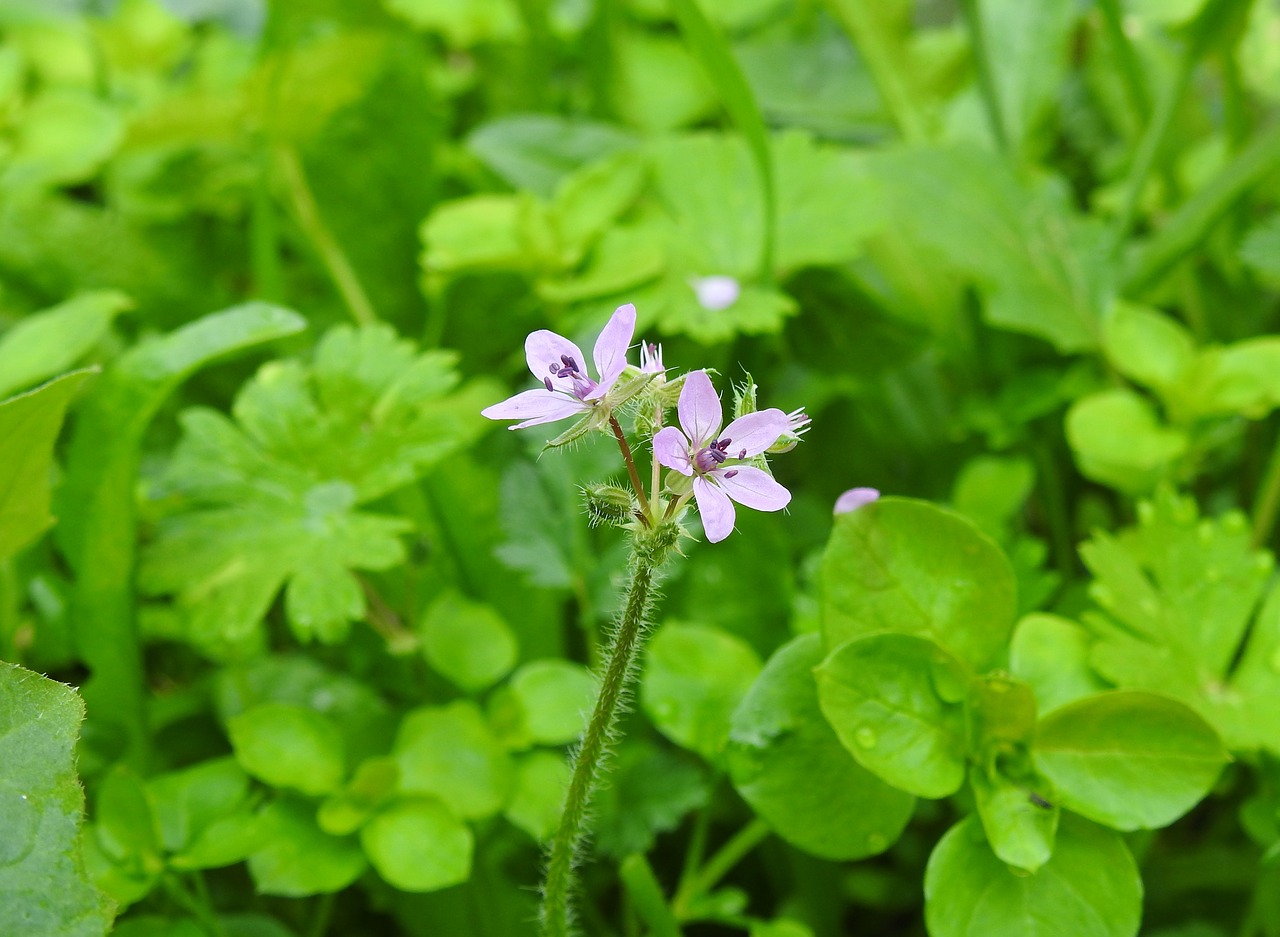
(699, 409)
(716, 509)
(671, 449)
(855, 498)
(544, 348)
(535, 406)
(756, 432)
(753, 488)
(611, 347)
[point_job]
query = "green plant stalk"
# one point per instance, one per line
(986, 83)
(718, 866)
(1135, 85)
(1267, 504)
(864, 26)
(592, 755)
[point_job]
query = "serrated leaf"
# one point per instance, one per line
(271, 497)
(43, 886)
(779, 743)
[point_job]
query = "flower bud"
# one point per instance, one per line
(609, 504)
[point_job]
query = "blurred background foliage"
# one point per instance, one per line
(1020, 258)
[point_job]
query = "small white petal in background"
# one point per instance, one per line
(716, 293)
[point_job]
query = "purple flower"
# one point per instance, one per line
(567, 388)
(855, 498)
(714, 459)
(651, 358)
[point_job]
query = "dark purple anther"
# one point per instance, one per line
(742, 454)
(731, 473)
(547, 383)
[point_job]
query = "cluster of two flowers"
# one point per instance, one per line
(718, 462)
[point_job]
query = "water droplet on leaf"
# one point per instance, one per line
(865, 737)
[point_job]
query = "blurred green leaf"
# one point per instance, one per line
(1119, 440)
(52, 340)
(467, 642)
(650, 791)
(29, 426)
(289, 746)
(43, 887)
(554, 698)
(449, 752)
(779, 742)
(542, 778)
(1052, 655)
(535, 152)
(419, 845)
(297, 858)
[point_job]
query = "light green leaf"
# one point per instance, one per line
(1119, 441)
(269, 499)
(914, 568)
(536, 151)
(555, 698)
(476, 232)
(1147, 346)
(29, 426)
(289, 746)
(44, 343)
(419, 845)
(694, 679)
(892, 701)
(590, 199)
(43, 886)
(991, 490)
(449, 752)
(1019, 822)
(1129, 759)
(542, 778)
(373, 783)
(1243, 378)
(463, 25)
(1090, 888)
(467, 642)
(63, 138)
(656, 84)
(297, 858)
(780, 743)
(1052, 655)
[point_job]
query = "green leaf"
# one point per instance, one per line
(656, 85)
(476, 233)
(1129, 759)
(587, 201)
(29, 426)
(554, 698)
(1119, 441)
(44, 343)
(1178, 594)
(536, 151)
(694, 678)
(124, 821)
(64, 137)
(204, 815)
(463, 24)
(289, 746)
(650, 791)
(43, 886)
(1243, 378)
(297, 858)
(373, 783)
(914, 568)
(1090, 888)
(1052, 655)
(892, 701)
(1042, 270)
(419, 845)
(1020, 824)
(467, 642)
(644, 892)
(270, 499)
(1147, 346)
(992, 490)
(780, 743)
(449, 752)
(542, 778)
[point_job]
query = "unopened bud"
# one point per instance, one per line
(609, 504)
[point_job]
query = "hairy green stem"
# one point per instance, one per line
(592, 755)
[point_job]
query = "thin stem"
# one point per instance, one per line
(631, 467)
(589, 761)
(986, 82)
(867, 27)
(1267, 504)
(1135, 85)
(655, 488)
(725, 858)
(323, 913)
(331, 255)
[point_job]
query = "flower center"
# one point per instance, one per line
(568, 367)
(710, 456)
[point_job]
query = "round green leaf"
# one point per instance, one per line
(1119, 441)
(555, 697)
(915, 568)
(696, 675)
(1146, 345)
(1090, 888)
(541, 781)
(1019, 822)
(449, 752)
(419, 845)
(289, 746)
(882, 696)
(1052, 655)
(1129, 759)
(468, 642)
(789, 766)
(297, 858)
